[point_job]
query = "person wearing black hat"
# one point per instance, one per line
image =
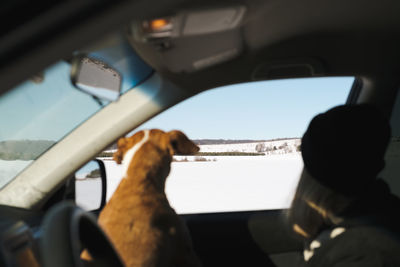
(345, 214)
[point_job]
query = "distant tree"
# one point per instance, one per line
(260, 147)
(105, 154)
(268, 148)
(298, 148)
(283, 146)
(94, 174)
(23, 149)
(198, 158)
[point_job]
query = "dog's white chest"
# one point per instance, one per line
(132, 151)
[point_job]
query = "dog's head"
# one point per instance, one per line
(173, 142)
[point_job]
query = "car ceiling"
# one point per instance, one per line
(275, 39)
(331, 37)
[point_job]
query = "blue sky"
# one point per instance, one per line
(49, 110)
(258, 110)
(44, 111)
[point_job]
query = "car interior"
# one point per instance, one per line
(190, 47)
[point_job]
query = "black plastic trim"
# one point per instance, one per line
(355, 91)
(103, 183)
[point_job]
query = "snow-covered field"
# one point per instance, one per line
(286, 145)
(88, 193)
(281, 147)
(224, 183)
(10, 168)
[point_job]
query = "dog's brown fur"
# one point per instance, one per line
(138, 219)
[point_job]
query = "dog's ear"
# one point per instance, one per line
(118, 155)
(180, 144)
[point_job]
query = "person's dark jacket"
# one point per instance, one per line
(368, 236)
(358, 246)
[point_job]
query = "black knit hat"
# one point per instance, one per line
(344, 147)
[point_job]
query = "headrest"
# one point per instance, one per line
(345, 147)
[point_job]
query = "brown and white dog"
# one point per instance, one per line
(138, 219)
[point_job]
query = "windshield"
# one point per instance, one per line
(40, 112)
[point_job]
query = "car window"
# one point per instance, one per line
(41, 111)
(249, 137)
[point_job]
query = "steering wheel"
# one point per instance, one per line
(67, 229)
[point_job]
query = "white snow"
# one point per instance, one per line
(223, 183)
(281, 147)
(88, 193)
(231, 183)
(10, 168)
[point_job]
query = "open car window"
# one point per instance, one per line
(249, 136)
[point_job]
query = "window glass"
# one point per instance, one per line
(37, 115)
(39, 112)
(249, 135)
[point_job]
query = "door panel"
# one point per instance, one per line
(256, 238)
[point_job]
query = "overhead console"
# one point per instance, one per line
(190, 40)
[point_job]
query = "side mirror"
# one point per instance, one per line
(91, 186)
(95, 77)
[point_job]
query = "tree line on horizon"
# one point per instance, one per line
(23, 149)
(235, 141)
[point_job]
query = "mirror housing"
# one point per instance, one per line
(91, 186)
(95, 77)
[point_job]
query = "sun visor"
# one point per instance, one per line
(191, 40)
(211, 21)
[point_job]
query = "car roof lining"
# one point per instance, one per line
(363, 42)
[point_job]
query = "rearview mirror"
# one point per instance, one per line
(95, 77)
(91, 186)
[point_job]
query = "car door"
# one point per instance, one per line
(234, 194)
